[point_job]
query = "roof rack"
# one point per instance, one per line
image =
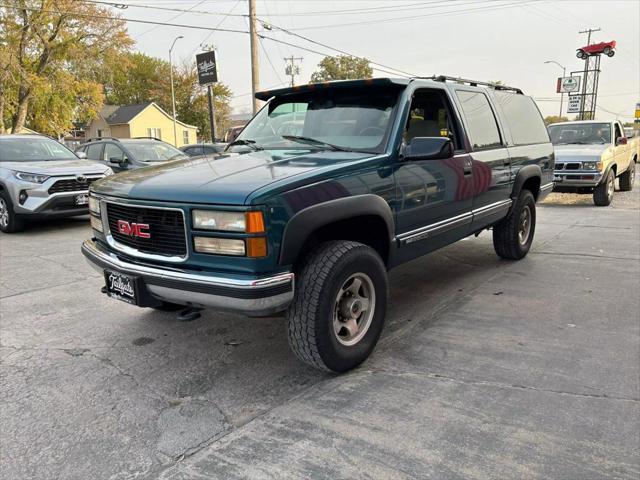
(473, 83)
(146, 138)
(95, 139)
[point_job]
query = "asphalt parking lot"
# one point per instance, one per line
(486, 369)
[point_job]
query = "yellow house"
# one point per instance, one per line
(143, 120)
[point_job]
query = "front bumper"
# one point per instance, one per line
(577, 178)
(254, 296)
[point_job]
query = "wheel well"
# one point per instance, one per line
(368, 229)
(533, 185)
(614, 167)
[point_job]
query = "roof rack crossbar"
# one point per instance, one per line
(473, 83)
(95, 139)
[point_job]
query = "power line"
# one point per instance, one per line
(217, 26)
(269, 60)
(170, 19)
(123, 19)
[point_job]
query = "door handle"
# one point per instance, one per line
(468, 166)
(507, 161)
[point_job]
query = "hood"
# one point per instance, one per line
(222, 180)
(570, 152)
(57, 167)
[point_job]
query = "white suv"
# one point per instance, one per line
(40, 177)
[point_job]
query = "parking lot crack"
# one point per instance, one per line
(481, 383)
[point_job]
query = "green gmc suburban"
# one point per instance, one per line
(326, 189)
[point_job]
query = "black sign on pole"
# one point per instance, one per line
(207, 75)
(207, 68)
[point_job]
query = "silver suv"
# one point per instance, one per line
(40, 177)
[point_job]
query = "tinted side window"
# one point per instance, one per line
(93, 151)
(112, 151)
(523, 116)
(195, 151)
(618, 132)
(481, 123)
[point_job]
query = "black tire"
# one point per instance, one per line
(9, 221)
(513, 236)
(603, 193)
(315, 311)
(628, 178)
(169, 307)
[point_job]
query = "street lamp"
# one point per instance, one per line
(173, 95)
(564, 74)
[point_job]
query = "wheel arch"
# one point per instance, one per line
(364, 218)
(528, 177)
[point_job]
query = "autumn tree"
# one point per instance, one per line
(342, 67)
(47, 48)
(554, 119)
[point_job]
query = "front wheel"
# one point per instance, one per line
(9, 221)
(513, 236)
(338, 311)
(603, 193)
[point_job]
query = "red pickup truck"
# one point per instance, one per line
(608, 48)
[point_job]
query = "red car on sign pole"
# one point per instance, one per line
(608, 48)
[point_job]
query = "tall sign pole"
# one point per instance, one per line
(255, 67)
(590, 76)
(207, 66)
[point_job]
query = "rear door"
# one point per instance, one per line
(492, 182)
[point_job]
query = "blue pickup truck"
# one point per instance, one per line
(326, 189)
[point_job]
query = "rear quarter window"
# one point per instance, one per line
(523, 117)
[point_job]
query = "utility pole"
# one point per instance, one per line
(255, 67)
(292, 69)
(589, 32)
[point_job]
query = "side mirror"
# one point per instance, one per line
(81, 155)
(621, 141)
(429, 148)
(117, 161)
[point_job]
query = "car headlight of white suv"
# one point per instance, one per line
(31, 177)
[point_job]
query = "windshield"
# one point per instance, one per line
(31, 149)
(154, 151)
(580, 133)
(328, 119)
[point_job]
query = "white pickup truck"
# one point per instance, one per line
(590, 155)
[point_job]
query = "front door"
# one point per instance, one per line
(434, 197)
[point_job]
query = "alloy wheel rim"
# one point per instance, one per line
(610, 186)
(354, 309)
(4, 213)
(524, 227)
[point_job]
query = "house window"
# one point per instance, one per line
(99, 133)
(185, 137)
(154, 133)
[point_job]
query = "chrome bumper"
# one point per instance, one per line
(254, 296)
(576, 178)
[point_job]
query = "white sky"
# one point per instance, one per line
(506, 40)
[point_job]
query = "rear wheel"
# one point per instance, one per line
(603, 193)
(338, 312)
(9, 221)
(513, 236)
(628, 178)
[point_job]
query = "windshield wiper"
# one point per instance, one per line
(249, 143)
(313, 141)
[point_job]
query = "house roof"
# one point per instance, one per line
(118, 115)
(125, 113)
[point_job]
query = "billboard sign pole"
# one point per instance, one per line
(207, 66)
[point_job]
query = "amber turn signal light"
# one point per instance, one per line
(254, 222)
(256, 247)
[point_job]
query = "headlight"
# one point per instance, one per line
(589, 165)
(248, 222)
(96, 223)
(31, 177)
(220, 246)
(94, 205)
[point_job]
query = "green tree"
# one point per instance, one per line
(554, 119)
(47, 45)
(342, 67)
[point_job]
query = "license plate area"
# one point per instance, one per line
(81, 199)
(122, 287)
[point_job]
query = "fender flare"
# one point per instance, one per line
(306, 221)
(524, 174)
(606, 171)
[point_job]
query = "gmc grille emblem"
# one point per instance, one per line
(133, 229)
